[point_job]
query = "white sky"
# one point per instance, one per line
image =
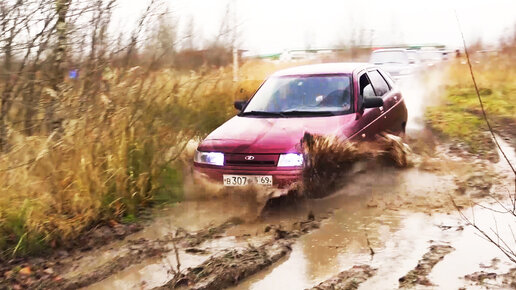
(275, 25)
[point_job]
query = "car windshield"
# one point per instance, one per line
(381, 57)
(302, 95)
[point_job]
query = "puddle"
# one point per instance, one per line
(153, 273)
(316, 256)
(398, 238)
(472, 252)
(398, 214)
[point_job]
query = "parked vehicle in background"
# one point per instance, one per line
(261, 145)
(431, 57)
(398, 62)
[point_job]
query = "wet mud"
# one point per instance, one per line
(229, 267)
(45, 273)
(385, 211)
(349, 279)
(418, 276)
(331, 162)
(488, 279)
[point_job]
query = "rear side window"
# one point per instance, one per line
(380, 86)
(387, 78)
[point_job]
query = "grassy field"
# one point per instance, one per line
(458, 117)
(114, 157)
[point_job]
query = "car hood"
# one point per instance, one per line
(272, 135)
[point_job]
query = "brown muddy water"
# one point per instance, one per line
(387, 219)
(363, 216)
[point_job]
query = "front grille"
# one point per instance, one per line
(250, 163)
(265, 160)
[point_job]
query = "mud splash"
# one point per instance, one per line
(330, 162)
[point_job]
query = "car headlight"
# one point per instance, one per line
(290, 159)
(212, 158)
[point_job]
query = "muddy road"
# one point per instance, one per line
(390, 228)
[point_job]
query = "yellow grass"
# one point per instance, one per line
(114, 157)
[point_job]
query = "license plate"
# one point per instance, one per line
(243, 180)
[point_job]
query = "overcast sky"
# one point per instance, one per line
(274, 25)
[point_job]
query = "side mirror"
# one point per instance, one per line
(239, 105)
(373, 102)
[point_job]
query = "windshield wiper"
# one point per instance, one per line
(262, 113)
(308, 113)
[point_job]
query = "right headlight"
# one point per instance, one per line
(290, 160)
(211, 158)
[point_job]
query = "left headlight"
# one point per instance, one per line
(290, 159)
(212, 158)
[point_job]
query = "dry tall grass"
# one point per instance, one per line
(114, 156)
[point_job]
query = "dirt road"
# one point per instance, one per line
(391, 228)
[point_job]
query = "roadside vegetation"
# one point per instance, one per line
(91, 126)
(458, 116)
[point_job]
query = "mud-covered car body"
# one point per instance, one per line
(261, 144)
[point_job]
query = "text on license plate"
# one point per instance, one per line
(242, 180)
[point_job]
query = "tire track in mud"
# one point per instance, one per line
(230, 266)
(418, 276)
(349, 279)
(139, 250)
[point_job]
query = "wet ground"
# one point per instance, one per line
(388, 228)
(398, 224)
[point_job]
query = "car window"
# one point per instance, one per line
(379, 84)
(387, 78)
(303, 93)
(366, 89)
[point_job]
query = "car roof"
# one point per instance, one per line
(323, 68)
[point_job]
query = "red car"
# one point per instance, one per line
(261, 144)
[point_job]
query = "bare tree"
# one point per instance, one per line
(58, 61)
(96, 61)
(41, 39)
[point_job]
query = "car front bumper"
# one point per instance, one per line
(282, 178)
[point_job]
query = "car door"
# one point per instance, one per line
(390, 118)
(394, 104)
(366, 122)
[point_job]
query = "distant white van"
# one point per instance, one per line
(398, 62)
